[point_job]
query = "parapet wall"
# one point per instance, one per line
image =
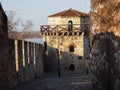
(21, 61)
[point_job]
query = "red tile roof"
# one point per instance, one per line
(69, 13)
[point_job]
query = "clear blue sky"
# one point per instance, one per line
(38, 10)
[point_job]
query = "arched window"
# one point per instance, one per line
(70, 25)
(72, 67)
(71, 49)
(45, 46)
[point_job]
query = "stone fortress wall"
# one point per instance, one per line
(105, 44)
(20, 60)
(67, 58)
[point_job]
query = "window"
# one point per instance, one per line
(70, 25)
(79, 57)
(71, 49)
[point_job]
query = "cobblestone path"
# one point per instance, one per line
(68, 81)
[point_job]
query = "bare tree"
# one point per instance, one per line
(16, 24)
(28, 26)
(13, 22)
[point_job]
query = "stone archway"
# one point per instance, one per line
(72, 67)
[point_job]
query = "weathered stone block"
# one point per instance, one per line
(105, 30)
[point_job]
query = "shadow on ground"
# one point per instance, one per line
(50, 81)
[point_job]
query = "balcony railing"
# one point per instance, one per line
(64, 28)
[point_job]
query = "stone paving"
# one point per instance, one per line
(50, 81)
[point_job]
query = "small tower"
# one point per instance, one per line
(64, 37)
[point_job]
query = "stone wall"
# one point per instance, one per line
(63, 20)
(3, 50)
(20, 60)
(54, 20)
(23, 61)
(58, 49)
(105, 44)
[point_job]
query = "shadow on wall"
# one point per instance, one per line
(19, 60)
(25, 61)
(55, 60)
(106, 61)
